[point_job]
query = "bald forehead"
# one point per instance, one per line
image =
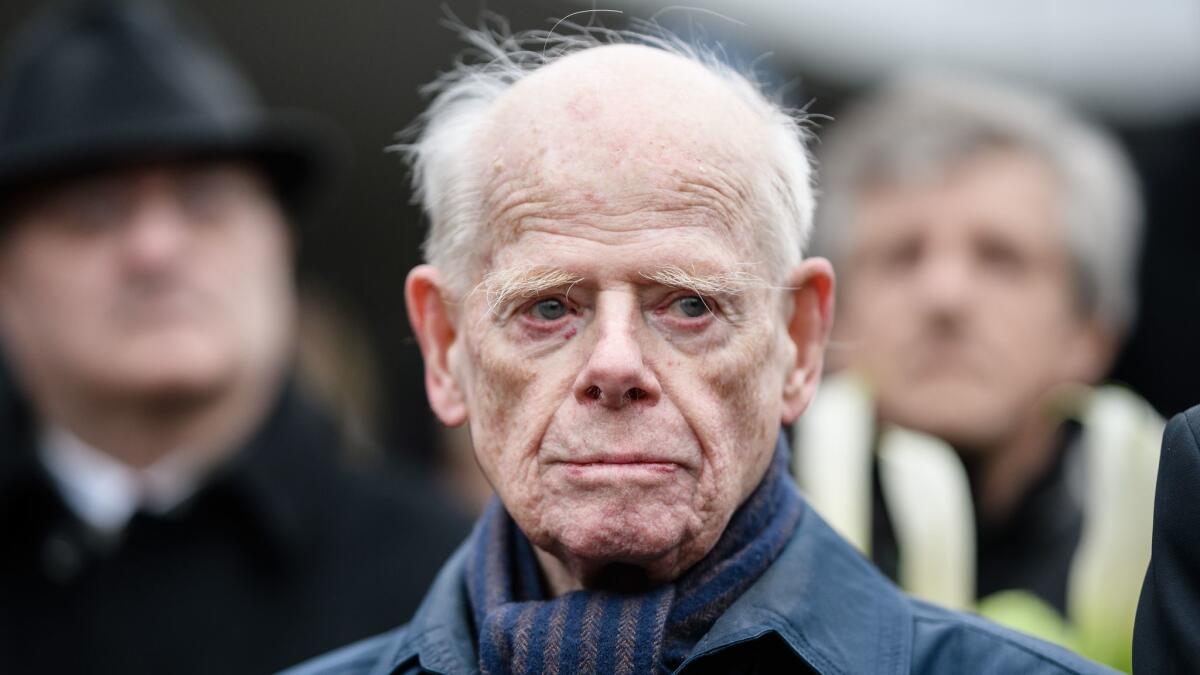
(617, 78)
(633, 112)
(613, 133)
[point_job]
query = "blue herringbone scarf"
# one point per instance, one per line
(521, 631)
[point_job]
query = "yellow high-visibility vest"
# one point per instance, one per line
(928, 498)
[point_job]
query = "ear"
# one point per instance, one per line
(433, 324)
(810, 302)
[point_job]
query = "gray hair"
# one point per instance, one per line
(925, 124)
(442, 144)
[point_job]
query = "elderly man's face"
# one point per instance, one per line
(162, 281)
(960, 304)
(624, 379)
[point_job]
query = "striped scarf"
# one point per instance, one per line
(520, 630)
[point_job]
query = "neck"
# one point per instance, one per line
(558, 578)
(1003, 472)
(562, 578)
(140, 430)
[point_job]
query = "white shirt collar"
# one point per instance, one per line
(105, 492)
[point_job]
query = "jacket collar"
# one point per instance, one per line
(833, 609)
(272, 478)
(827, 602)
(266, 480)
(441, 634)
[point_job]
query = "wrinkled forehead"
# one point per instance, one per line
(617, 129)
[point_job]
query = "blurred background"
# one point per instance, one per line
(1133, 66)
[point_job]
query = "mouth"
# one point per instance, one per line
(618, 459)
(947, 362)
(619, 468)
(637, 464)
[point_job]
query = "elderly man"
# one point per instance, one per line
(986, 240)
(616, 303)
(169, 502)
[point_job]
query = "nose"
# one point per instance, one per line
(156, 234)
(616, 375)
(946, 281)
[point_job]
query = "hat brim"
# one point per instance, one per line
(301, 153)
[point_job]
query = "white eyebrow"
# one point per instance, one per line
(503, 286)
(727, 283)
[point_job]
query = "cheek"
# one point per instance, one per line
(744, 390)
(242, 283)
(1033, 344)
(60, 301)
(510, 398)
(263, 258)
(1032, 325)
(56, 315)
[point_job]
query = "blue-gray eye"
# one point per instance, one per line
(550, 309)
(692, 306)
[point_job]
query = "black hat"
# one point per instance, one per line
(98, 83)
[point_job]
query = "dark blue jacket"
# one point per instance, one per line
(1165, 638)
(820, 608)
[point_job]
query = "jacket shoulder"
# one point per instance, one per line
(365, 657)
(952, 642)
(1164, 638)
(1184, 428)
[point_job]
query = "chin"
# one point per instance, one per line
(962, 416)
(171, 371)
(598, 532)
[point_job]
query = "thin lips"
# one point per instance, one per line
(618, 460)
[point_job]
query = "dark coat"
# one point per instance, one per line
(1166, 637)
(281, 555)
(820, 608)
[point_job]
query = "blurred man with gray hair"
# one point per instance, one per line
(617, 303)
(987, 241)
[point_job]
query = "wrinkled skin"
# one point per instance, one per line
(620, 418)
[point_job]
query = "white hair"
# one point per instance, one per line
(442, 145)
(924, 124)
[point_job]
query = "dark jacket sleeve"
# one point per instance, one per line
(1165, 638)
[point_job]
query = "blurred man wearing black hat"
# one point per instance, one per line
(168, 501)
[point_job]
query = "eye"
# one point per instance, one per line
(901, 255)
(550, 309)
(692, 306)
(1001, 256)
(211, 192)
(97, 205)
